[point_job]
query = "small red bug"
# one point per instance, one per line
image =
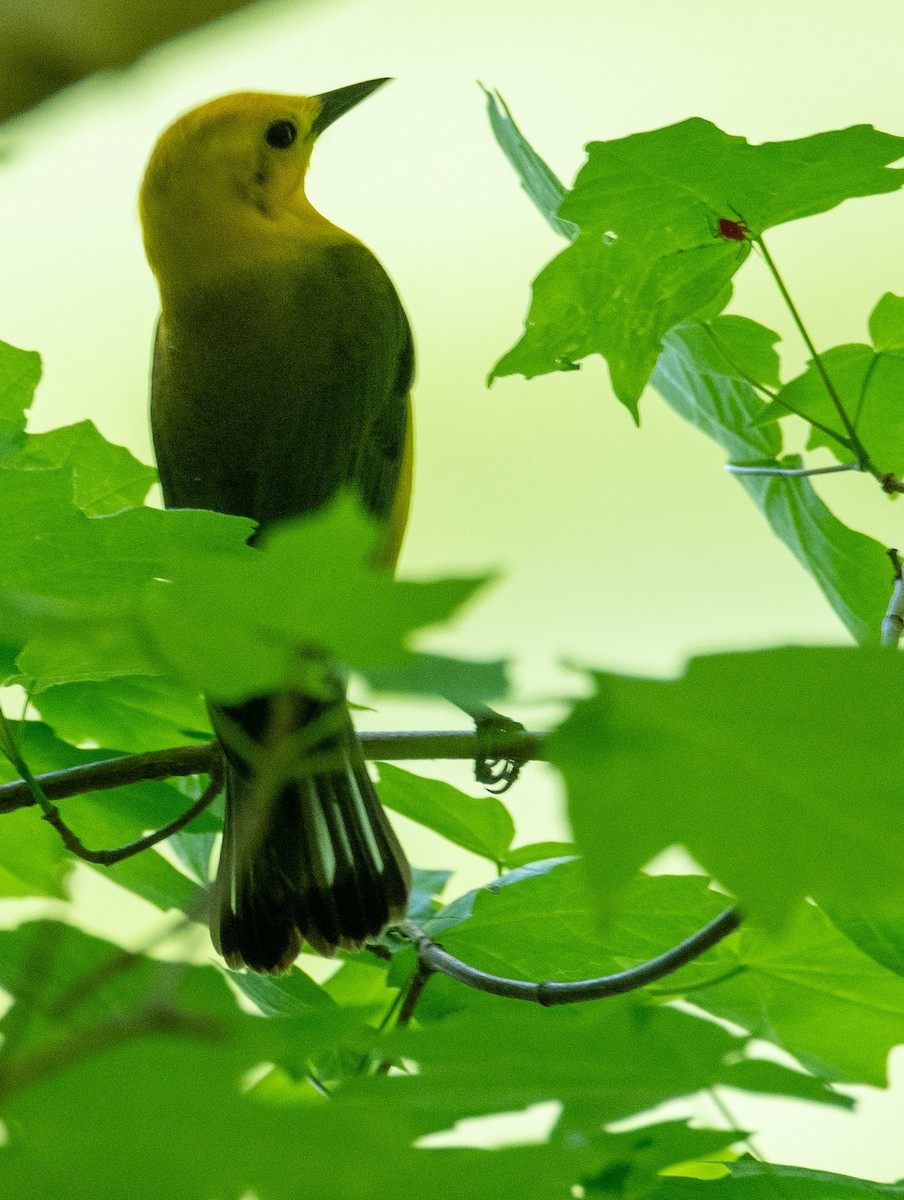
(732, 231)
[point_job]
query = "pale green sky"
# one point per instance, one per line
(618, 548)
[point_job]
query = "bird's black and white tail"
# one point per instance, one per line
(317, 861)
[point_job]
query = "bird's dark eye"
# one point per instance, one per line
(281, 134)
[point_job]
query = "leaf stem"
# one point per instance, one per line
(773, 396)
(855, 444)
(791, 472)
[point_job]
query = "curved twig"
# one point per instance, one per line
(107, 858)
(434, 958)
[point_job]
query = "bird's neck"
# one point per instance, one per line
(208, 244)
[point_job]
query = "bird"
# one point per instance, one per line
(281, 378)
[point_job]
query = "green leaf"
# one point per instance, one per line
(461, 908)
(796, 732)
(528, 1055)
(131, 714)
(702, 385)
(83, 644)
(880, 935)
(154, 879)
(41, 963)
(886, 325)
(51, 548)
(771, 1079)
(743, 349)
(143, 1098)
(521, 856)
(698, 382)
(147, 592)
(231, 626)
(869, 386)
(537, 179)
(20, 371)
(634, 1158)
(32, 853)
(131, 1105)
(33, 861)
(288, 995)
(617, 299)
(670, 184)
(650, 253)
(481, 824)
(851, 569)
(804, 989)
(106, 477)
(194, 851)
(545, 926)
(434, 675)
(83, 576)
(426, 886)
(751, 1180)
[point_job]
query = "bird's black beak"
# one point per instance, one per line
(335, 104)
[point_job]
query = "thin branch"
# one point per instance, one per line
(112, 773)
(107, 858)
(405, 1003)
(893, 621)
(792, 472)
(435, 958)
(414, 991)
(199, 760)
(891, 484)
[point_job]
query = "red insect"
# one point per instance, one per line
(732, 231)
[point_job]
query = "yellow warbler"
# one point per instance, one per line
(282, 370)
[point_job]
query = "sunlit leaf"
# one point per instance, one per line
(777, 769)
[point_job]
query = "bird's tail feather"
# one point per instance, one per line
(316, 862)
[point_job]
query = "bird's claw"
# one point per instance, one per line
(496, 774)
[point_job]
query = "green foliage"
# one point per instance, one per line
(649, 255)
(105, 478)
(479, 824)
(751, 1180)
(868, 380)
(805, 990)
(757, 790)
(777, 770)
(20, 372)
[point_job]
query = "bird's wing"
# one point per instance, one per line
(269, 398)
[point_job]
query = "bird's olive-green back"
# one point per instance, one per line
(273, 389)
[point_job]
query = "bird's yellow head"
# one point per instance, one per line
(230, 174)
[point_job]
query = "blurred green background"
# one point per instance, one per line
(620, 548)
